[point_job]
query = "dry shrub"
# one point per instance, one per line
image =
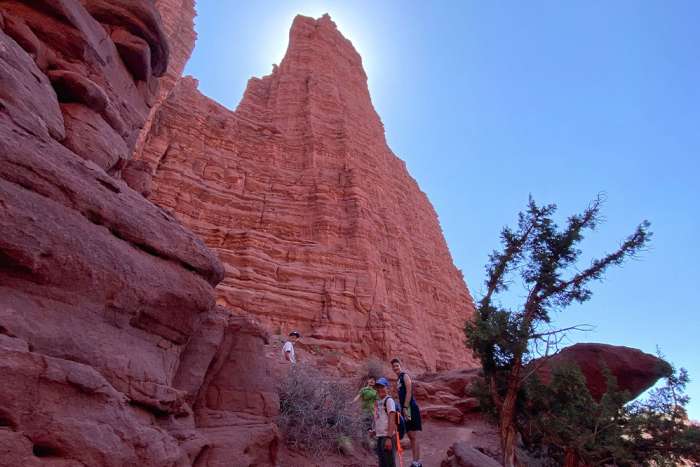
(374, 368)
(316, 412)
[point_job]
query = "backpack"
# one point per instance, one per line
(400, 420)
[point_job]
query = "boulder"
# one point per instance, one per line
(447, 395)
(456, 381)
(442, 412)
(634, 370)
(463, 455)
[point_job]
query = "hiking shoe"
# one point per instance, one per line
(416, 464)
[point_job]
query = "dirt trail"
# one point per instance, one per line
(437, 437)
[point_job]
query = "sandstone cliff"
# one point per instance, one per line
(178, 26)
(319, 225)
(112, 352)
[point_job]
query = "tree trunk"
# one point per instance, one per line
(507, 426)
(571, 458)
(508, 446)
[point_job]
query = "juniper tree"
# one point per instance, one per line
(658, 428)
(563, 422)
(545, 258)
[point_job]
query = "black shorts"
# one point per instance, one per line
(414, 424)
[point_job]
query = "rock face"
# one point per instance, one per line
(112, 352)
(447, 395)
(178, 26)
(319, 225)
(634, 370)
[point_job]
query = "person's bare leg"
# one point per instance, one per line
(415, 448)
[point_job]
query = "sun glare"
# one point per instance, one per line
(275, 37)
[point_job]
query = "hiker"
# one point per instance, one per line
(409, 409)
(368, 396)
(385, 424)
(288, 347)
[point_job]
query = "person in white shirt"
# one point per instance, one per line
(385, 425)
(288, 348)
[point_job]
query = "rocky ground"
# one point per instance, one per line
(437, 438)
(447, 418)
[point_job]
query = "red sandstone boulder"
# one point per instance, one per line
(463, 455)
(442, 412)
(446, 395)
(230, 387)
(457, 381)
(634, 370)
(447, 386)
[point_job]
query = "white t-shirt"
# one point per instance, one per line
(381, 418)
(288, 347)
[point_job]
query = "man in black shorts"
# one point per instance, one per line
(409, 409)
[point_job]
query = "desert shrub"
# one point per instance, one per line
(316, 412)
(374, 368)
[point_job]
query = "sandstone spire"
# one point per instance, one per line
(318, 223)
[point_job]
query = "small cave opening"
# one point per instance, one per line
(6, 422)
(45, 450)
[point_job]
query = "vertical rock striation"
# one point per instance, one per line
(319, 225)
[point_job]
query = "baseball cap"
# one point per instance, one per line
(382, 382)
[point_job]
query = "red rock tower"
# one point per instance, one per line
(319, 225)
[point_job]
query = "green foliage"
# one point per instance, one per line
(543, 258)
(562, 417)
(658, 426)
(480, 390)
(541, 254)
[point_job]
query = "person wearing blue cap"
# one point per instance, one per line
(385, 425)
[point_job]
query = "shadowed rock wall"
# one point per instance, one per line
(112, 352)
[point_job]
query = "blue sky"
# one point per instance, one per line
(488, 102)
